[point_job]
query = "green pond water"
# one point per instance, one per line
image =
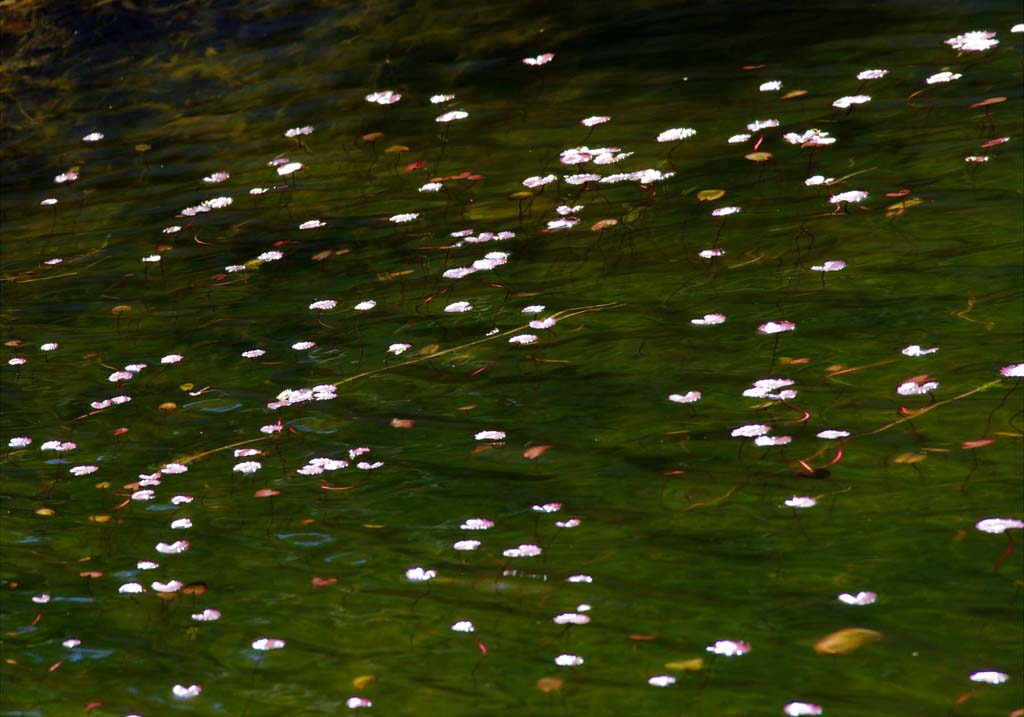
(672, 535)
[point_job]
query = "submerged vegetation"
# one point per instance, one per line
(444, 361)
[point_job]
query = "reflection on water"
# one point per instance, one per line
(651, 360)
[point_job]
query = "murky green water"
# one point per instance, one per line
(683, 536)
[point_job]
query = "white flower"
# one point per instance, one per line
(247, 467)
(463, 626)
(758, 125)
(93, 137)
(872, 74)
(398, 349)
(802, 709)
(451, 116)
(312, 224)
(833, 265)
(999, 525)
(270, 256)
(130, 589)
(175, 548)
(661, 680)
(831, 435)
(709, 320)
(403, 218)
(526, 550)
(440, 99)
(465, 545)
(915, 350)
(522, 339)
(571, 618)
(323, 305)
(676, 134)
(384, 97)
(298, 131)
(431, 187)
(458, 307)
(974, 41)
(490, 435)
(772, 86)
(847, 102)
(595, 120)
(533, 182)
(739, 138)
(186, 693)
(568, 660)
(207, 615)
(800, 501)
(725, 211)
(688, 397)
(539, 59)
(943, 77)
(862, 598)
(171, 586)
(267, 643)
(290, 168)
(357, 702)
(419, 575)
(990, 677)
(729, 648)
(477, 524)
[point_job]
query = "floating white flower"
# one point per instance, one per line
(384, 97)
(974, 41)
(452, 116)
(463, 626)
(771, 86)
(419, 575)
(801, 501)
(729, 648)
(676, 134)
(847, 102)
(568, 660)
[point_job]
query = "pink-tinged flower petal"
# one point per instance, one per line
(71, 643)
(568, 660)
(548, 508)
(571, 618)
(579, 579)
(1014, 370)
(729, 648)
(186, 693)
(773, 327)
(526, 550)
(130, 589)
(41, 599)
(207, 615)
(172, 586)
(384, 97)
(267, 643)
(751, 430)
(974, 41)
(709, 320)
(452, 116)
(356, 702)
(725, 211)
(864, 597)
(999, 525)
(539, 60)
(802, 709)
(990, 677)
(465, 545)
(522, 339)
(477, 524)
(833, 265)
(661, 681)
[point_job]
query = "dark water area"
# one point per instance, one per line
(315, 400)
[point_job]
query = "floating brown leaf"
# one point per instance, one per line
(845, 641)
(323, 583)
(686, 665)
(759, 156)
(794, 94)
(977, 443)
(266, 493)
(710, 195)
(363, 681)
(402, 423)
(550, 684)
(534, 452)
(604, 224)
